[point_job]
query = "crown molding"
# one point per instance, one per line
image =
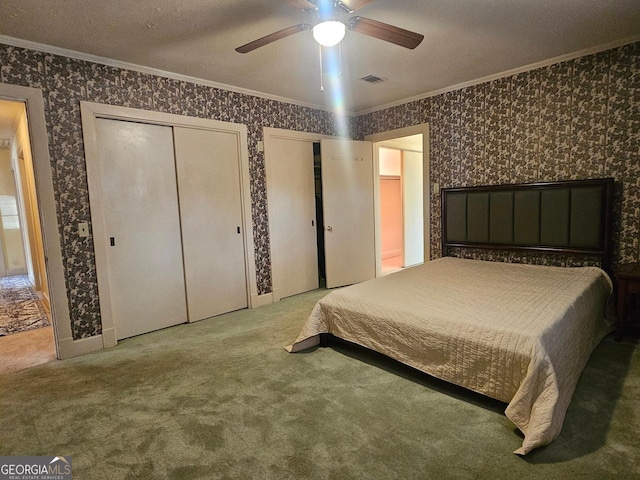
(506, 73)
(17, 42)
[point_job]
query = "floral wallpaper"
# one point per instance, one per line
(576, 119)
(65, 82)
(572, 120)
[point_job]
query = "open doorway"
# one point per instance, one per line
(400, 200)
(26, 332)
(391, 209)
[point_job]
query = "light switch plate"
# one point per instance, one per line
(83, 229)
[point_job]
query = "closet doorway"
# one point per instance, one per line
(170, 217)
(321, 212)
(294, 193)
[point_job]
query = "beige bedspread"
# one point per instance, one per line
(518, 333)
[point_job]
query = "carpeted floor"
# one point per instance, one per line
(20, 307)
(222, 399)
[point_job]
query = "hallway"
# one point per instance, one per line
(26, 336)
(20, 307)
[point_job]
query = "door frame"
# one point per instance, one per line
(426, 185)
(91, 111)
(65, 345)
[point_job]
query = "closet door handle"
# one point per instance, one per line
(238, 230)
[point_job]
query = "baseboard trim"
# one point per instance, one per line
(45, 301)
(10, 272)
(391, 254)
(261, 300)
(69, 348)
(109, 338)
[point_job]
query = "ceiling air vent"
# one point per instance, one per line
(373, 79)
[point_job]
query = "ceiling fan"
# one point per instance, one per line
(329, 30)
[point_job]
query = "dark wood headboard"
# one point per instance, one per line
(571, 217)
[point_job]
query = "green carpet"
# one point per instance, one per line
(222, 399)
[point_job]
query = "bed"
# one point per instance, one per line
(515, 332)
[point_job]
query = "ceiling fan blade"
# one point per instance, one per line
(353, 5)
(386, 32)
(272, 37)
(302, 4)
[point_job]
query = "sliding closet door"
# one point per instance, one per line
(292, 213)
(207, 164)
(142, 226)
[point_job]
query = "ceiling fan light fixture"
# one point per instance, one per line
(329, 33)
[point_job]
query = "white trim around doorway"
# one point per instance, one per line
(376, 138)
(66, 346)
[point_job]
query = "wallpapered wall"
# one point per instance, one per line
(572, 120)
(576, 119)
(65, 82)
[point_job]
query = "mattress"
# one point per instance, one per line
(518, 333)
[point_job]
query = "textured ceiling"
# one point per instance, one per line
(465, 40)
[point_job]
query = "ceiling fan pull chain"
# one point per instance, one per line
(320, 56)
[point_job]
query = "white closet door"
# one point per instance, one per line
(142, 226)
(347, 198)
(413, 208)
(207, 163)
(292, 213)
